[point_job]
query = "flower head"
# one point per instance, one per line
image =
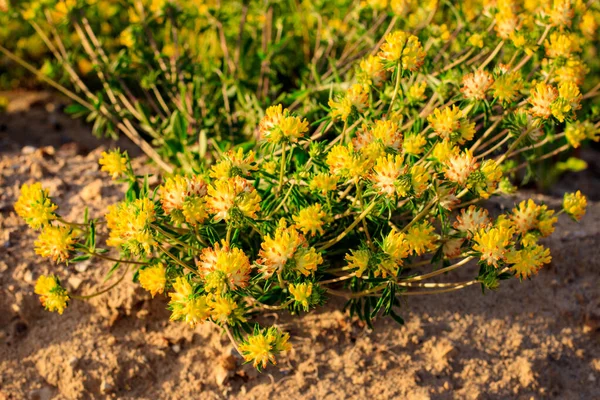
(181, 192)
(302, 292)
(396, 246)
(371, 71)
(506, 87)
(541, 98)
(386, 174)
(53, 296)
(234, 163)
(323, 183)
(359, 260)
(129, 225)
(575, 204)
(577, 132)
(261, 347)
(186, 305)
(279, 126)
(114, 163)
(403, 49)
(345, 162)
(35, 206)
(451, 124)
(224, 268)
(528, 261)
(355, 100)
(421, 238)
(476, 84)
(492, 243)
(153, 278)
(55, 242)
(230, 197)
(458, 168)
(311, 219)
(471, 220)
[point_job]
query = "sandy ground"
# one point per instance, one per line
(535, 339)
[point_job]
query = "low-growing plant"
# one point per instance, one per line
(380, 199)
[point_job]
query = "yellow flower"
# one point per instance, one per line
(471, 220)
(231, 265)
(114, 163)
(224, 309)
(278, 249)
(234, 163)
(371, 71)
(575, 204)
(506, 23)
(384, 131)
(414, 144)
(301, 292)
(403, 49)
(262, 346)
(458, 168)
(354, 100)
(541, 98)
(568, 102)
(127, 38)
(35, 206)
(487, 182)
(506, 87)
(194, 210)
(386, 173)
(52, 295)
(153, 278)
(179, 190)
(444, 150)
(345, 162)
(451, 124)
(579, 131)
(588, 25)
(279, 126)
(528, 261)
(227, 197)
(187, 306)
(476, 40)
(324, 183)
(416, 93)
(306, 260)
(311, 219)
(55, 242)
(419, 178)
(396, 245)
(358, 259)
(561, 13)
(492, 244)
(561, 45)
(129, 225)
(571, 71)
(525, 216)
(421, 238)
(476, 84)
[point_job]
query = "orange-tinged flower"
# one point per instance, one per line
(153, 278)
(528, 261)
(228, 196)
(53, 296)
(472, 220)
(403, 49)
(231, 265)
(311, 219)
(476, 84)
(35, 206)
(55, 242)
(492, 243)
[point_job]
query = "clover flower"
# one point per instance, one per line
(574, 205)
(114, 163)
(224, 268)
(476, 84)
(396, 246)
(451, 124)
(323, 183)
(261, 347)
(183, 198)
(403, 49)
(577, 132)
(568, 101)
(371, 71)
(386, 173)
(541, 98)
(301, 292)
(345, 162)
(421, 238)
(493, 244)
(186, 305)
(528, 261)
(224, 309)
(506, 87)
(230, 197)
(471, 220)
(234, 163)
(35, 206)
(280, 126)
(129, 225)
(153, 278)
(459, 167)
(311, 219)
(52, 295)
(55, 242)
(414, 144)
(355, 100)
(359, 260)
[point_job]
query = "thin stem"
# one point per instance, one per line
(439, 271)
(282, 168)
(231, 338)
(178, 261)
(396, 87)
(89, 296)
(348, 229)
(494, 54)
(107, 258)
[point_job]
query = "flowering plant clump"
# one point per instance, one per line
(382, 197)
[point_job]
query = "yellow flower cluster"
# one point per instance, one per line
(35, 206)
(115, 163)
(575, 204)
(224, 268)
(279, 126)
(311, 220)
(529, 260)
(232, 198)
(53, 296)
(302, 293)
(476, 84)
(452, 124)
(234, 163)
(261, 347)
(183, 198)
(129, 225)
(287, 248)
(493, 243)
(153, 278)
(355, 100)
(55, 242)
(402, 49)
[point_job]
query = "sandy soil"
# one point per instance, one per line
(535, 339)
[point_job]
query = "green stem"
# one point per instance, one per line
(396, 87)
(282, 169)
(102, 256)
